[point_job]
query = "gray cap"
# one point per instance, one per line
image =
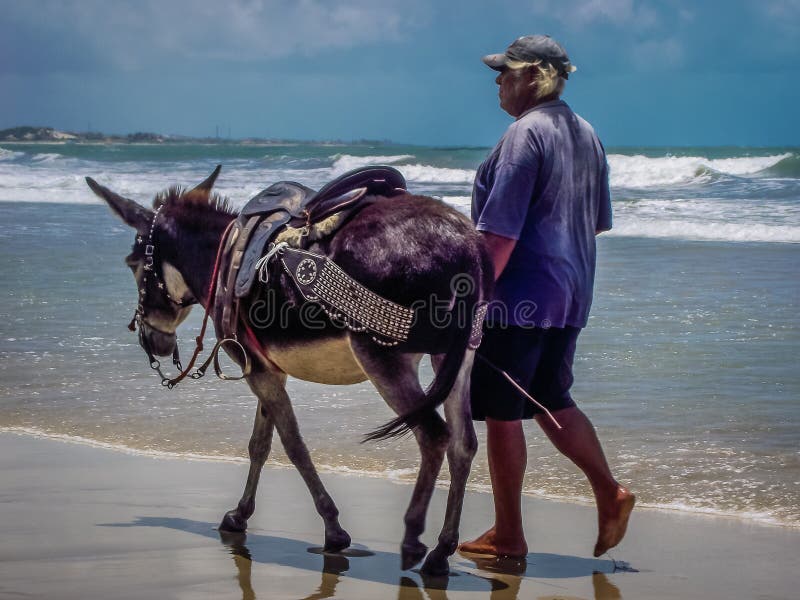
(529, 48)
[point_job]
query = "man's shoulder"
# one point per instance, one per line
(585, 125)
(542, 120)
(527, 129)
(561, 115)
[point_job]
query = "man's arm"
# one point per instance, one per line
(500, 249)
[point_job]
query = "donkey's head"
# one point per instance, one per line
(165, 299)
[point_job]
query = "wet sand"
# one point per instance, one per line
(83, 522)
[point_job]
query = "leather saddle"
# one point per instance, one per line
(290, 203)
(301, 202)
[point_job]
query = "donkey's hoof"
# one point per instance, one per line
(334, 542)
(233, 521)
(411, 553)
(436, 564)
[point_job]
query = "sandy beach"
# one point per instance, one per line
(85, 522)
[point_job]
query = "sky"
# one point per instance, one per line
(650, 73)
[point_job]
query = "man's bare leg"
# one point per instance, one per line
(578, 442)
(508, 458)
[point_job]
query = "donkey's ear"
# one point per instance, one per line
(135, 215)
(208, 183)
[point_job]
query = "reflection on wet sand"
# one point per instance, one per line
(604, 589)
(332, 567)
(503, 578)
(507, 576)
(512, 571)
(243, 560)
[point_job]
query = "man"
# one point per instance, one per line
(539, 199)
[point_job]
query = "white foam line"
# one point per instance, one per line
(758, 517)
(83, 441)
(394, 476)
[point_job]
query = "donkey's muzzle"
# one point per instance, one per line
(159, 343)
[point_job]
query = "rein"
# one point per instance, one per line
(519, 388)
(139, 318)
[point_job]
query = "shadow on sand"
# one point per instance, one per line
(500, 577)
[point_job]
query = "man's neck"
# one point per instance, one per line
(538, 102)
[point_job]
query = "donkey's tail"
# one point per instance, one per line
(425, 416)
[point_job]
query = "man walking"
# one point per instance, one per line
(539, 199)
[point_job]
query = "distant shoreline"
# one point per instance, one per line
(189, 141)
(49, 135)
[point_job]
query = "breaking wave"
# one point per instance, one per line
(686, 229)
(735, 199)
(643, 172)
(788, 167)
(345, 162)
(428, 174)
(416, 173)
(10, 154)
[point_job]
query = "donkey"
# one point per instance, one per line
(406, 248)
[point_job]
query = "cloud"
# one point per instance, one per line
(641, 34)
(784, 14)
(666, 53)
(781, 9)
(136, 34)
(581, 13)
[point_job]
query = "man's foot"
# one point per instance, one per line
(613, 520)
(492, 545)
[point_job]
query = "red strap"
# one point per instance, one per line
(209, 303)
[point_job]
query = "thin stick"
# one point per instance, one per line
(521, 390)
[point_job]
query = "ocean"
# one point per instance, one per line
(688, 367)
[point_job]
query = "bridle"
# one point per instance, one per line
(140, 316)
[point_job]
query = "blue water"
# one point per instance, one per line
(688, 367)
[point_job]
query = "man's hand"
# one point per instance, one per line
(500, 249)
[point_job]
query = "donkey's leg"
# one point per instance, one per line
(394, 374)
(258, 448)
(460, 452)
(277, 403)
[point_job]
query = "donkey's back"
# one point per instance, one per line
(412, 250)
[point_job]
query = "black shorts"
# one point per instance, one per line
(540, 360)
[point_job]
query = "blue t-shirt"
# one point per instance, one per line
(545, 184)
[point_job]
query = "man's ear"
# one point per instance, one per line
(135, 215)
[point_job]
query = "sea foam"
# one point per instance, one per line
(756, 201)
(402, 476)
(346, 162)
(705, 231)
(10, 154)
(427, 174)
